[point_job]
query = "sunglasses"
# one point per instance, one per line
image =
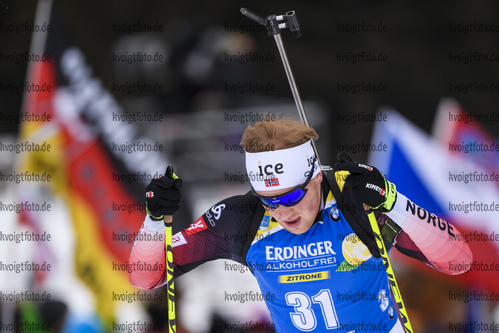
(288, 199)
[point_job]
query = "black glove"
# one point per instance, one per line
(163, 195)
(369, 186)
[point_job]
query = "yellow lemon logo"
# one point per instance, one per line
(354, 251)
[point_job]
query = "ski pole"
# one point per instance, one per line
(170, 289)
(274, 25)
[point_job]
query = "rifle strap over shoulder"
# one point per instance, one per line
(362, 227)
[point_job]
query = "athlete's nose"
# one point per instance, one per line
(286, 213)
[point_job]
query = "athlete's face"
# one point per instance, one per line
(299, 218)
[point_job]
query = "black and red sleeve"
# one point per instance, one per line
(220, 233)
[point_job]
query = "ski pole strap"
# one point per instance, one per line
(391, 275)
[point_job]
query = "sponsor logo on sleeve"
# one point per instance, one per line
(178, 239)
(217, 210)
(197, 226)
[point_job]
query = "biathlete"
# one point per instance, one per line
(294, 236)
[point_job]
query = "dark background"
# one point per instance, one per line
(417, 44)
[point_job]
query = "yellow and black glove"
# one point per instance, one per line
(369, 186)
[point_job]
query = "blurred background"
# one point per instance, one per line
(186, 78)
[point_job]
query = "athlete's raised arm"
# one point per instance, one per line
(437, 239)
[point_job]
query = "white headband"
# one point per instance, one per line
(283, 168)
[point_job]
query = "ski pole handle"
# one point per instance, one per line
(170, 174)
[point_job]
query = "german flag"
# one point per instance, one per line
(89, 189)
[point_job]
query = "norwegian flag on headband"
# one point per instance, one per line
(271, 182)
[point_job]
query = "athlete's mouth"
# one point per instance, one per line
(292, 221)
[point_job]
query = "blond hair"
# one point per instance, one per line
(276, 134)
